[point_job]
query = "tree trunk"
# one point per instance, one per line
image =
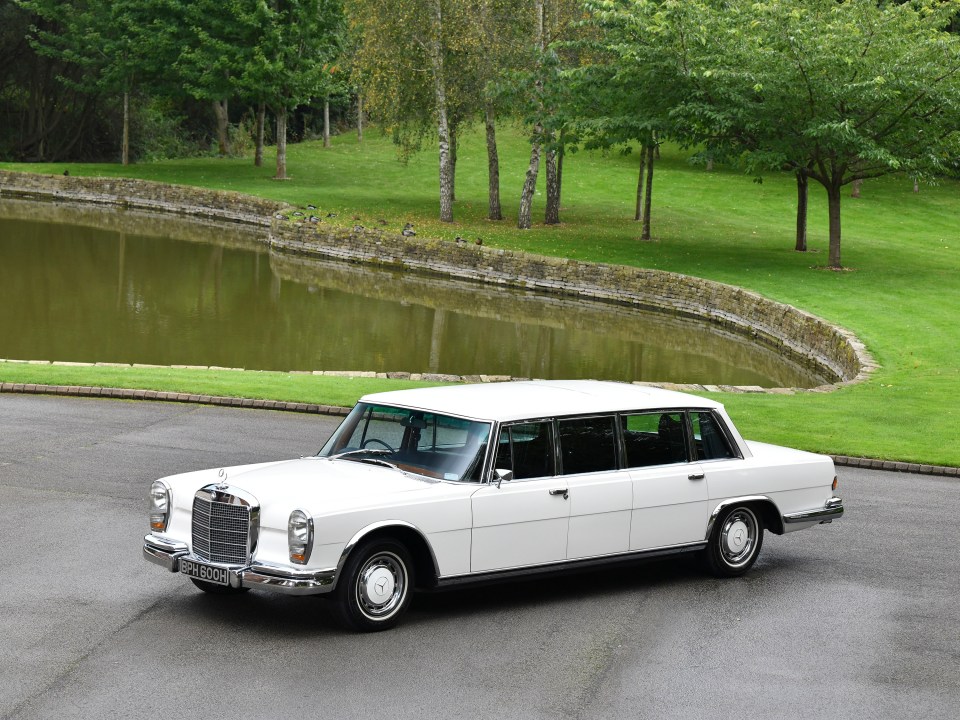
(125, 149)
(560, 155)
(221, 112)
(833, 201)
(803, 191)
(443, 124)
(651, 149)
(530, 183)
(638, 214)
(494, 211)
(524, 219)
(916, 185)
(454, 146)
(261, 118)
(359, 118)
(281, 144)
(326, 122)
(855, 189)
(551, 213)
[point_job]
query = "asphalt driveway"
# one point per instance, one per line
(859, 619)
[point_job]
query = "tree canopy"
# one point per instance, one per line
(837, 91)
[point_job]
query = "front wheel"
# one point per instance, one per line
(735, 542)
(374, 590)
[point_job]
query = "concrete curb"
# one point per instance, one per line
(130, 394)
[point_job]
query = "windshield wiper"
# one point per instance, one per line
(385, 463)
(361, 451)
(380, 461)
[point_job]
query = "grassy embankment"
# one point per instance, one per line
(900, 295)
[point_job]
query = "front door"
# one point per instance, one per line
(524, 521)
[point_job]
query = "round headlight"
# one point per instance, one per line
(159, 505)
(299, 536)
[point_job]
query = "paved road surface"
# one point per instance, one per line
(859, 619)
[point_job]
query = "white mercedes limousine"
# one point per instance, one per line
(439, 486)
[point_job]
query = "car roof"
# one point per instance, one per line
(528, 399)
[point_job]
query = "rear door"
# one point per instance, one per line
(600, 494)
(670, 496)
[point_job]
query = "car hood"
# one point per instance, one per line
(313, 483)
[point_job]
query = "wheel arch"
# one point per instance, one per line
(411, 537)
(765, 509)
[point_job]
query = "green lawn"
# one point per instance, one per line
(901, 294)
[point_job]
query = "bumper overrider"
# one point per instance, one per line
(167, 553)
(831, 510)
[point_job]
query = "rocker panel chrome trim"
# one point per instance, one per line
(568, 565)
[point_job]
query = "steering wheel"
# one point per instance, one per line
(378, 441)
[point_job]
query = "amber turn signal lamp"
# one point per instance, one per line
(836, 483)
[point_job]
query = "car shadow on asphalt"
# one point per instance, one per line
(269, 614)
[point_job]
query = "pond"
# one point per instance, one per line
(105, 285)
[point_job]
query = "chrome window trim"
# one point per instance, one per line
(724, 430)
(687, 435)
(558, 450)
(555, 445)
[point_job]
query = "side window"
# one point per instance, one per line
(588, 444)
(654, 439)
(527, 450)
(710, 441)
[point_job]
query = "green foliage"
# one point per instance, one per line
(159, 132)
(294, 41)
(840, 91)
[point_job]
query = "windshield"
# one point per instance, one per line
(438, 446)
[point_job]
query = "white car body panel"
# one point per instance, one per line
(479, 528)
(669, 507)
(600, 513)
(518, 524)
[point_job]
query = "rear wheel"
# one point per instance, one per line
(374, 589)
(735, 542)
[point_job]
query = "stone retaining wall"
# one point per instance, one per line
(142, 195)
(785, 329)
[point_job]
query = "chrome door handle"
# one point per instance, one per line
(696, 476)
(561, 492)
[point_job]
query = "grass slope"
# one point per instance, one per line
(901, 293)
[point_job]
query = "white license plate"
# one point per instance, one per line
(207, 573)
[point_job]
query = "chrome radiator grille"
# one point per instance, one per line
(221, 530)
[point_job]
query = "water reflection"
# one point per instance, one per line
(109, 286)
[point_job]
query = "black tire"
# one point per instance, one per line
(374, 589)
(735, 542)
(214, 589)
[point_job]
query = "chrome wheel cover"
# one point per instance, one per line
(738, 537)
(381, 586)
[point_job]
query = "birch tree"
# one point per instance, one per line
(413, 57)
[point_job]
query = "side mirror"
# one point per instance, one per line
(499, 475)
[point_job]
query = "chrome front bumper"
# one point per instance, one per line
(167, 553)
(831, 510)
